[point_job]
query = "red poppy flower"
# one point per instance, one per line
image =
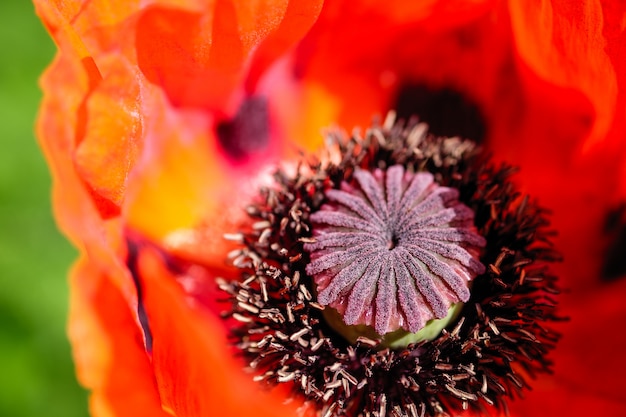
(161, 119)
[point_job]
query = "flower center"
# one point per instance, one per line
(383, 239)
(393, 250)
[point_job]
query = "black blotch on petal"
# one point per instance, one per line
(447, 112)
(614, 265)
(248, 131)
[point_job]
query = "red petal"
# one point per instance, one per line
(356, 59)
(562, 42)
(195, 370)
(615, 33)
(589, 361)
(108, 348)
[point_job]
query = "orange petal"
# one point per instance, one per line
(58, 117)
(65, 84)
(195, 370)
(87, 31)
(57, 17)
(108, 348)
(110, 134)
(106, 110)
(79, 107)
(299, 16)
(199, 57)
(97, 27)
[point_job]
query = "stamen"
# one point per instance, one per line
(376, 258)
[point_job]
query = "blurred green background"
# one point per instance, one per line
(36, 371)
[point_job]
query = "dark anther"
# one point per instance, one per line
(447, 112)
(248, 131)
(614, 265)
(132, 265)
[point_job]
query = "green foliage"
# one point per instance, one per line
(37, 377)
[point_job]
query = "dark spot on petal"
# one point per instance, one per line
(248, 131)
(132, 265)
(614, 265)
(447, 112)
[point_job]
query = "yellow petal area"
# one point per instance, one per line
(176, 180)
(183, 191)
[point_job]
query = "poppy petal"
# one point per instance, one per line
(563, 43)
(110, 135)
(195, 370)
(108, 348)
(545, 135)
(589, 362)
(76, 212)
(614, 14)
(114, 111)
(199, 57)
(463, 48)
(87, 94)
(299, 16)
(179, 189)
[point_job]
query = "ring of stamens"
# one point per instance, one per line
(278, 322)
